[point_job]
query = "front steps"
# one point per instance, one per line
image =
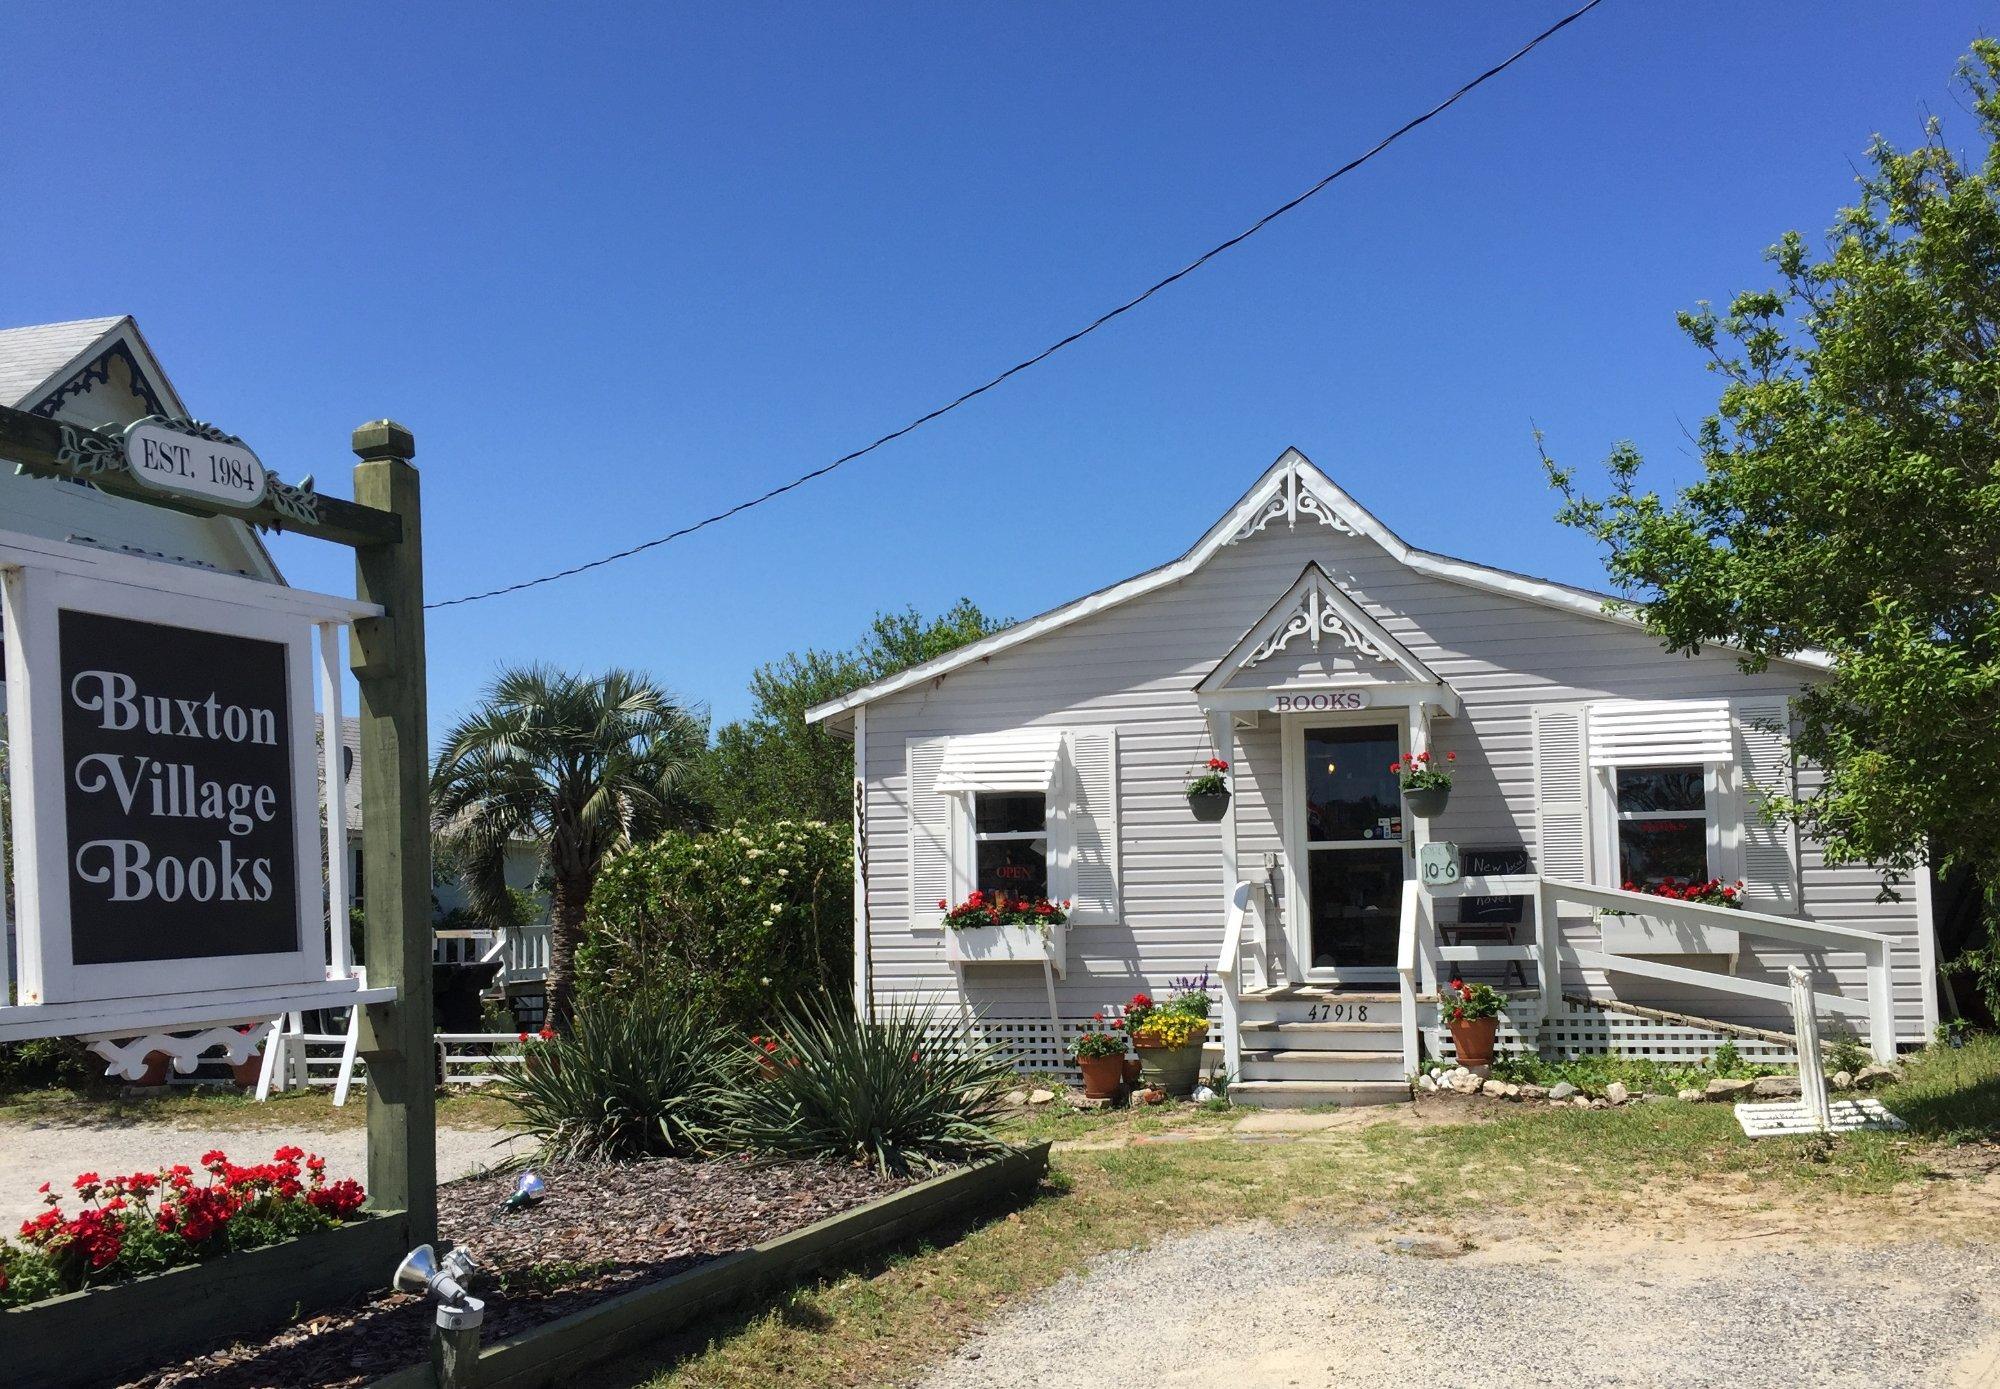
(1304, 1046)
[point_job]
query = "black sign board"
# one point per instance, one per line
(1505, 861)
(178, 794)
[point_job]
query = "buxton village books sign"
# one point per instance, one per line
(180, 802)
(170, 839)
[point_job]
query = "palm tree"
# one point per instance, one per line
(581, 766)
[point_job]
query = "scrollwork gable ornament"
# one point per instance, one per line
(1289, 503)
(1316, 618)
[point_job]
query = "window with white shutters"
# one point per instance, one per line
(1764, 761)
(1088, 871)
(980, 817)
(930, 833)
(1562, 792)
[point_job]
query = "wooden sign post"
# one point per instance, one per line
(388, 662)
(225, 846)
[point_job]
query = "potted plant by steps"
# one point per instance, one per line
(1472, 1012)
(1100, 1055)
(1169, 1036)
(1426, 783)
(1208, 794)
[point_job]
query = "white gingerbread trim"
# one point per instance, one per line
(128, 1058)
(1292, 499)
(1314, 617)
(1315, 607)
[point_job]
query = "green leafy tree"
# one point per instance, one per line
(1850, 504)
(580, 765)
(775, 766)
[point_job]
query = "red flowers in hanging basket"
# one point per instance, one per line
(1211, 782)
(1419, 771)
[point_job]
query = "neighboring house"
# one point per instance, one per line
(523, 860)
(99, 371)
(1309, 646)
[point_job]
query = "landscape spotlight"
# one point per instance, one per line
(529, 1188)
(455, 1341)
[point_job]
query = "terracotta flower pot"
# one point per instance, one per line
(249, 1071)
(1426, 802)
(1209, 806)
(1473, 1039)
(1132, 1065)
(1102, 1075)
(1172, 1069)
(156, 1069)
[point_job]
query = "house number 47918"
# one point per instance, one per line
(1337, 1012)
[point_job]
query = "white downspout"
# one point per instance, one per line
(864, 992)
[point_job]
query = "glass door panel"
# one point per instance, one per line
(1354, 860)
(1350, 792)
(1356, 904)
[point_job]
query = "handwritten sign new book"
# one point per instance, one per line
(179, 796)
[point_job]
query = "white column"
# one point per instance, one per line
(339, 891)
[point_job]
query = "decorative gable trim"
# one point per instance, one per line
(1318, 609)
(1344, 510)
(1317, 615)
(1294, 496)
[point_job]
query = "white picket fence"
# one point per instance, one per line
(304, 1059)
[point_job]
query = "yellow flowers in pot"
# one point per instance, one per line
(1169, 1029)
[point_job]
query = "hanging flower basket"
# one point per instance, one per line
(1426, 784)
(1208, 794)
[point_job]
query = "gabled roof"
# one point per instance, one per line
(1316, 609)
(1291, 490)
(52, 369)
(31, 356)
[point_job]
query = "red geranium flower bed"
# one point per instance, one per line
(146, 1222)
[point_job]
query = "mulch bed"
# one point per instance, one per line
(601, 1230)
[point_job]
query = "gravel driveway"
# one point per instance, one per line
(1250, 1306)
(31, 1154)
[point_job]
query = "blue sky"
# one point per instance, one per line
(618, 267)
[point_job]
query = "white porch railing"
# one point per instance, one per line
(1878, 1007)
(1246, 903)
(523, 953)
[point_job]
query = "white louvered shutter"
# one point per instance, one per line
(1764, 767)
(1562, 793)
(930, 832)
(1091, 827)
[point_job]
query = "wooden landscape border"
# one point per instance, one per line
(96, 1336)
(555, 1352)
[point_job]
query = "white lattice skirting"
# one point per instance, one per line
(1573, 1029)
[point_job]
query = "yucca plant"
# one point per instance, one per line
(902, 1093)
(636, 1079)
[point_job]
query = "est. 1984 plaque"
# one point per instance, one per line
(178, 796)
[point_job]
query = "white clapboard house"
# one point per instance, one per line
(1309, 646)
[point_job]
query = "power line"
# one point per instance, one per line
(1204, 258)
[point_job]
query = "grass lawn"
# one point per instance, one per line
(301, 1111)
(1124, 1178)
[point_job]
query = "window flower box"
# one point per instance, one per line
(1638, 933)
(1007, 943)
(1645, 933)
